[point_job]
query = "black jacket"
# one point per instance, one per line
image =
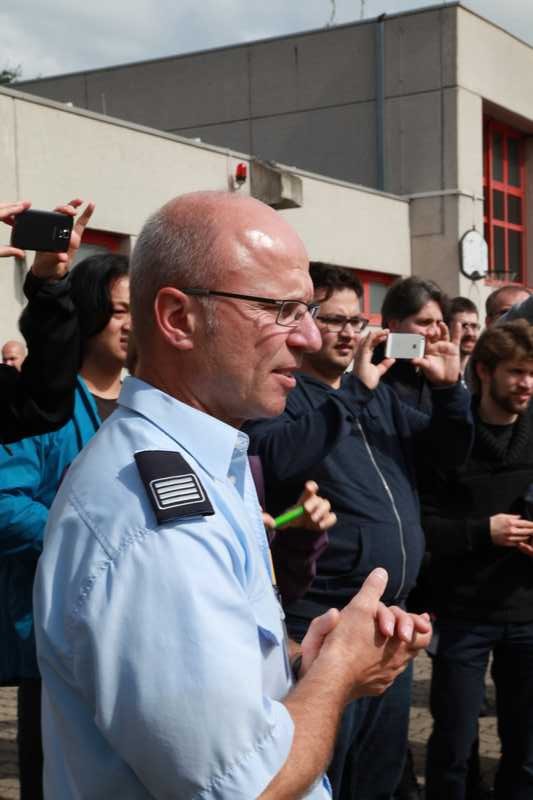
(471, 578)
(40, 397)
(359, 446)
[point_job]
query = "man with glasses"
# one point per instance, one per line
(463, 314)
(160, 640)
(352, 434)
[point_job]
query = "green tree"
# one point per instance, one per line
(10, 75)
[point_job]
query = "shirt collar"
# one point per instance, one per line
(209, 441)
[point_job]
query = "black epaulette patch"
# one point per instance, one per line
(173, 487)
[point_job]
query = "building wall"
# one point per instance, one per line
(50, 154)
(307, 100)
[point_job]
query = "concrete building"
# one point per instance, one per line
(50, 153)
(431, 111)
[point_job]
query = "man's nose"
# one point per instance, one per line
(305, 336)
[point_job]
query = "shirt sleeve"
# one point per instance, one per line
(170, 653)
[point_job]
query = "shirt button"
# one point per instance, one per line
(233, 479)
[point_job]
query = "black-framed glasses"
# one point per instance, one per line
(336, 324)
(290, 312)
(475, 326)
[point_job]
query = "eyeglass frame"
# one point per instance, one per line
(311, 308)
(347, 321)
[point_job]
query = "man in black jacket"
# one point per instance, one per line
(357, 440)
(479, 532)
(40, 397)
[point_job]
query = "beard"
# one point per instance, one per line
(508, 401)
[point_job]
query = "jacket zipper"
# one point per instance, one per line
(394, 509)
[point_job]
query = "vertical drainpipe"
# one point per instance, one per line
(380, 102)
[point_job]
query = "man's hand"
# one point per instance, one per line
(54, 266)
(318, 515)
(390, 622)
(360, 650)
(510, 530)
(441, 362)
(8, 212)
(368, 373)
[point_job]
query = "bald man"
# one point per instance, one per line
(161, 643)
(13, 354)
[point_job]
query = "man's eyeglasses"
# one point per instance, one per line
(338, 324)
(475, 326)
(290, 312)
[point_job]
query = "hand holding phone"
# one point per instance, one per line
(46, 231)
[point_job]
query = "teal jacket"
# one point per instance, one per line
(30, 473)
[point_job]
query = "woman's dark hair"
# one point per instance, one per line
(407, 296)
(332, 278)
(90, 288)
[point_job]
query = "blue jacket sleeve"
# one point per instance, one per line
(304, 435)
(22, 515)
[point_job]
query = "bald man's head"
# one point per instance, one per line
(198, 240)
(13, 354)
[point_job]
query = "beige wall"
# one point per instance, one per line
(50, 154)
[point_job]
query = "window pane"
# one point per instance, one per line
(513, 153)
(499, 251)
(498, 205)
(377, 295)
(497, 157)
(514, 209)
(515, 255)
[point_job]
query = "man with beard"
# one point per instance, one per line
(355, 437)
(463, 313)
(479, 535)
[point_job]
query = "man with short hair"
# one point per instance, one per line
(13, 354)
(353, 435)
(412, 305)
(463, 313)
(501, 300)
(160, 639)
(478, 526)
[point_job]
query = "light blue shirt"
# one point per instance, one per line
(161, 646)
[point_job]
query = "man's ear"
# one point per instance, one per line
(393, 325)
(482, 372)
(175, 318)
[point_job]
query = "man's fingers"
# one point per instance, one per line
(372, 589)
(11, 251)
(9, 210)
(85, 216)
(319, 628)
(385, 365)
(444, 332)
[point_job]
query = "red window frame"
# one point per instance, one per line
(366, 277)
(490, 185)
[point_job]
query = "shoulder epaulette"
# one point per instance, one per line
(174, 489)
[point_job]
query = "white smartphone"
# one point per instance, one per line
(405, 345)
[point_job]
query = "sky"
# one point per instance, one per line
(51, 37)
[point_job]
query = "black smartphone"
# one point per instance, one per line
(48, 231)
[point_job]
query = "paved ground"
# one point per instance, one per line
(419, 732)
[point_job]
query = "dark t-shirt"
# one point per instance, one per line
(105, 406)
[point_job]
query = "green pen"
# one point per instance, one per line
(288, 516)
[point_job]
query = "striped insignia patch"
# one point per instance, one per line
(173, 488)
(176, 491)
